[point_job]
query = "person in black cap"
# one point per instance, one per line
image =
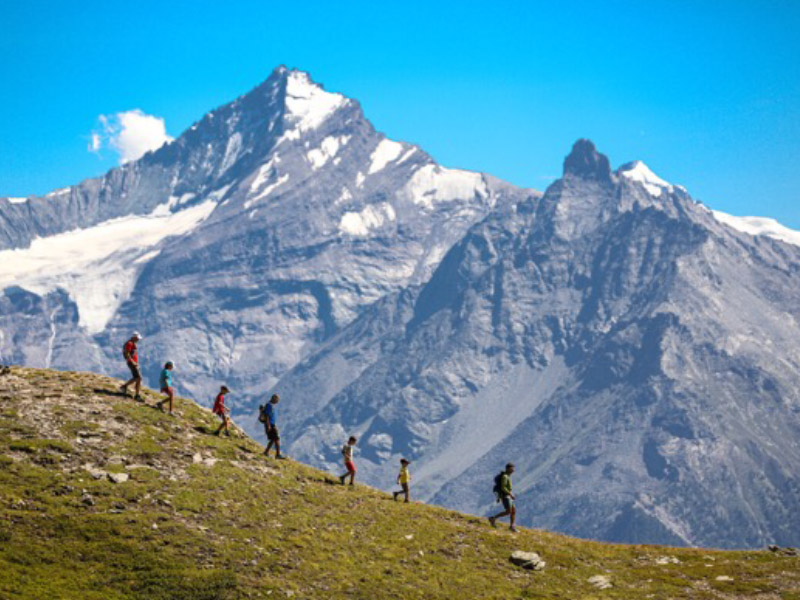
(403, 479)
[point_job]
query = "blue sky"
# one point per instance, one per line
(706, 93)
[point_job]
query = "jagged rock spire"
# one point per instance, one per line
(587, 163)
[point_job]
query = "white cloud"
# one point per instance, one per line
(130, 134)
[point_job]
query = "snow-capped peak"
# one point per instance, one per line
(640, 172)
(307, 104)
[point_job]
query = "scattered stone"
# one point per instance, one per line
(724, 578)
(527, 560)
(19, 505)
(63, 490)
(154, 526)
(667, 560)
(209, 462)
(94, 471)
(87, 500)
(118, 477)
(197, 458)
(410, 536)
(783, 551)
(601, 582)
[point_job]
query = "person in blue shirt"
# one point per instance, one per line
(268, 417)
(165, 381)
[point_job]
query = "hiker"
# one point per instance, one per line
(165, 381)
(347, 453)
(403, 478)
(270, 426)
(221, 411)
(131, 354)
(502, 489)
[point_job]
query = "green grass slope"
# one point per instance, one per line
(202, 517)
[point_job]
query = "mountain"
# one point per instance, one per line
(237, 248)
(634, 354)
(632, 351)
(101, 497)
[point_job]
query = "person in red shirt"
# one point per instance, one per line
(221, 411)
(131, 354)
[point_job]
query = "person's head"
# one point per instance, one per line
(352, 441)
(136, 337)
(510, 468)
(169, 366)
(404, 462)
(224, 389)
(275, 399)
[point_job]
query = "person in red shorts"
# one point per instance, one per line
(347, 453)
(221, 411)
(131, 354)
(165, 380)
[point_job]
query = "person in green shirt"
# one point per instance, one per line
(506, 496)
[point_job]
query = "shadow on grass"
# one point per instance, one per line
(106, 392)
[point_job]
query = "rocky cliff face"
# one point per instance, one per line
(237, 248)
(633, 356)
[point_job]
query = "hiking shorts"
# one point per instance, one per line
(137, 374)
(350, 466)
(273, 435)
(508, 502)
(167, 390)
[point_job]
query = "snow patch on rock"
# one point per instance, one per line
(641, 173)
(432, 184)
(759, 226)
(372, 217)
(307, 104)
(384, 153)
(266, 191)
(326, 151)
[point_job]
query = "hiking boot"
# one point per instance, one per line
(512, 529)
(281, 456)
(341, 479)
(138, 398)
(492, 522)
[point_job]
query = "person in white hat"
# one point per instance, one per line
(131, 354)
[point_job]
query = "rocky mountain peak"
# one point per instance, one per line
(587, 163)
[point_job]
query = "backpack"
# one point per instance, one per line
(498, 483)
(262, 414)
(125, 350)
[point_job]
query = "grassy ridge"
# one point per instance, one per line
(202, 517)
